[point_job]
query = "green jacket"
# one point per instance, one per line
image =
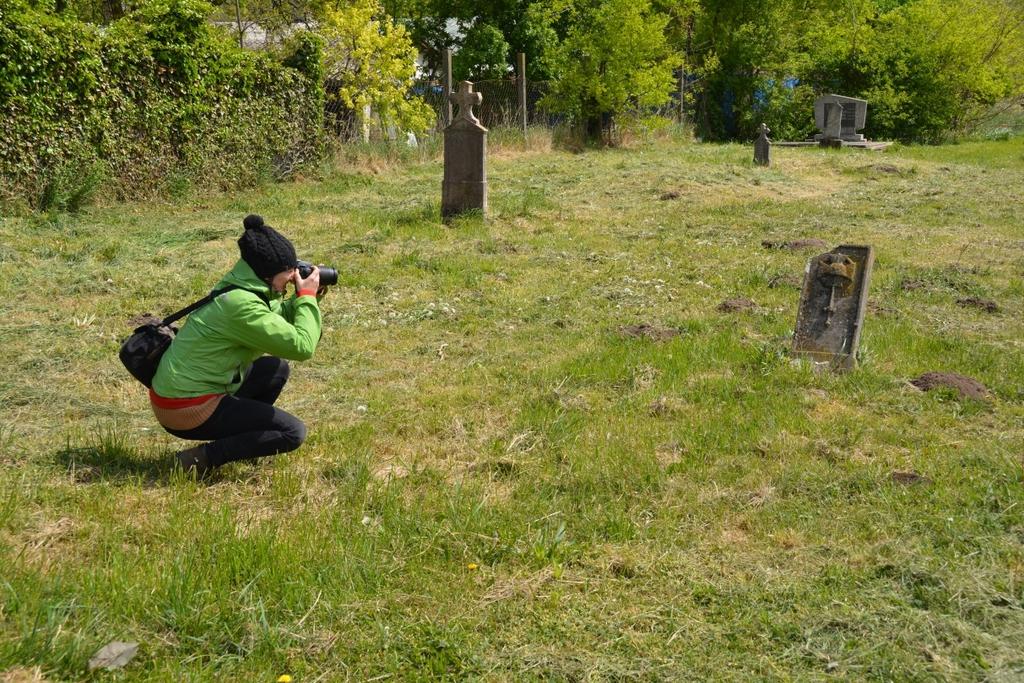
(213, 351)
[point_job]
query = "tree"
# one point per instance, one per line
(371, 61)
(614, 58)
(483, 55)
(523, 25)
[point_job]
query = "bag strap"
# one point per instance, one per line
(199, 304)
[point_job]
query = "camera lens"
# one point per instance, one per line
(328, 276)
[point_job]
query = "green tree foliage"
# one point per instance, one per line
(933, 68)
(370, 61)
(614, 58)
(929, 68)
(436, 25)
(484, 54)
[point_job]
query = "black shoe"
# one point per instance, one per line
(194, 460)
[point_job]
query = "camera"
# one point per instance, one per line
(328, 276)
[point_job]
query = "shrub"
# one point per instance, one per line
(158, 94)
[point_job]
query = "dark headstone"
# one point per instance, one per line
(464, 187)
(763, 147)
(831, 314)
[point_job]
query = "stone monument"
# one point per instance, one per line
(832, 132)
(839, 118)
(464, 187)
(763, 147)
(831, 313)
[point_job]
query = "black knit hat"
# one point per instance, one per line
(267, 251)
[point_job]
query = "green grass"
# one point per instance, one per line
(499, 484)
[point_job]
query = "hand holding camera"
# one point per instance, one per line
(309, 280)
(319, 278)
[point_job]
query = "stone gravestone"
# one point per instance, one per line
(831, 313)
(464, 187)
(763, 147)
(842, 124)
(832, 132)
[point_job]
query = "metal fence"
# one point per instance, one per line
(501, 107)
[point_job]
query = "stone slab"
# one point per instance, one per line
(852, 118)
(867, 144)
(832, 305)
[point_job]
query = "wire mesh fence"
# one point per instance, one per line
(501, 102)
(501, 107)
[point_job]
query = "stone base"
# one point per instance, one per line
(867, 144)
(845, 138)
(462, 196)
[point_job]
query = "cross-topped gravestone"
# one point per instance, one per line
(832, 305)
(763, 147)
(464, 187)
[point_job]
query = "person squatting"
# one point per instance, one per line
(220, 377)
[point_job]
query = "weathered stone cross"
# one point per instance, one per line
(466, 99)
(763, 147)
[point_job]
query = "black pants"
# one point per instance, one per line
(246, 425)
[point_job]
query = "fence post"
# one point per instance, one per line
(521, 68)
(682, 93)
(448, 86)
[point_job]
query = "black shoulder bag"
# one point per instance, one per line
(141, 352)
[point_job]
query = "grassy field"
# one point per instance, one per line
(501, 482)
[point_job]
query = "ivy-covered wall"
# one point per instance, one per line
(159, 99)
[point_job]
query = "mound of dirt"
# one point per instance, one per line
(736, 305)
(909, 478)
(911, 285)
(965, 386)
(884, 168)
(650, 332)
(144, 319)
(795, 245)
(786, 280)
(671, 194)
(983, 304)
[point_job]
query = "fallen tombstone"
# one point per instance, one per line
(832, 304)
(966, 387)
